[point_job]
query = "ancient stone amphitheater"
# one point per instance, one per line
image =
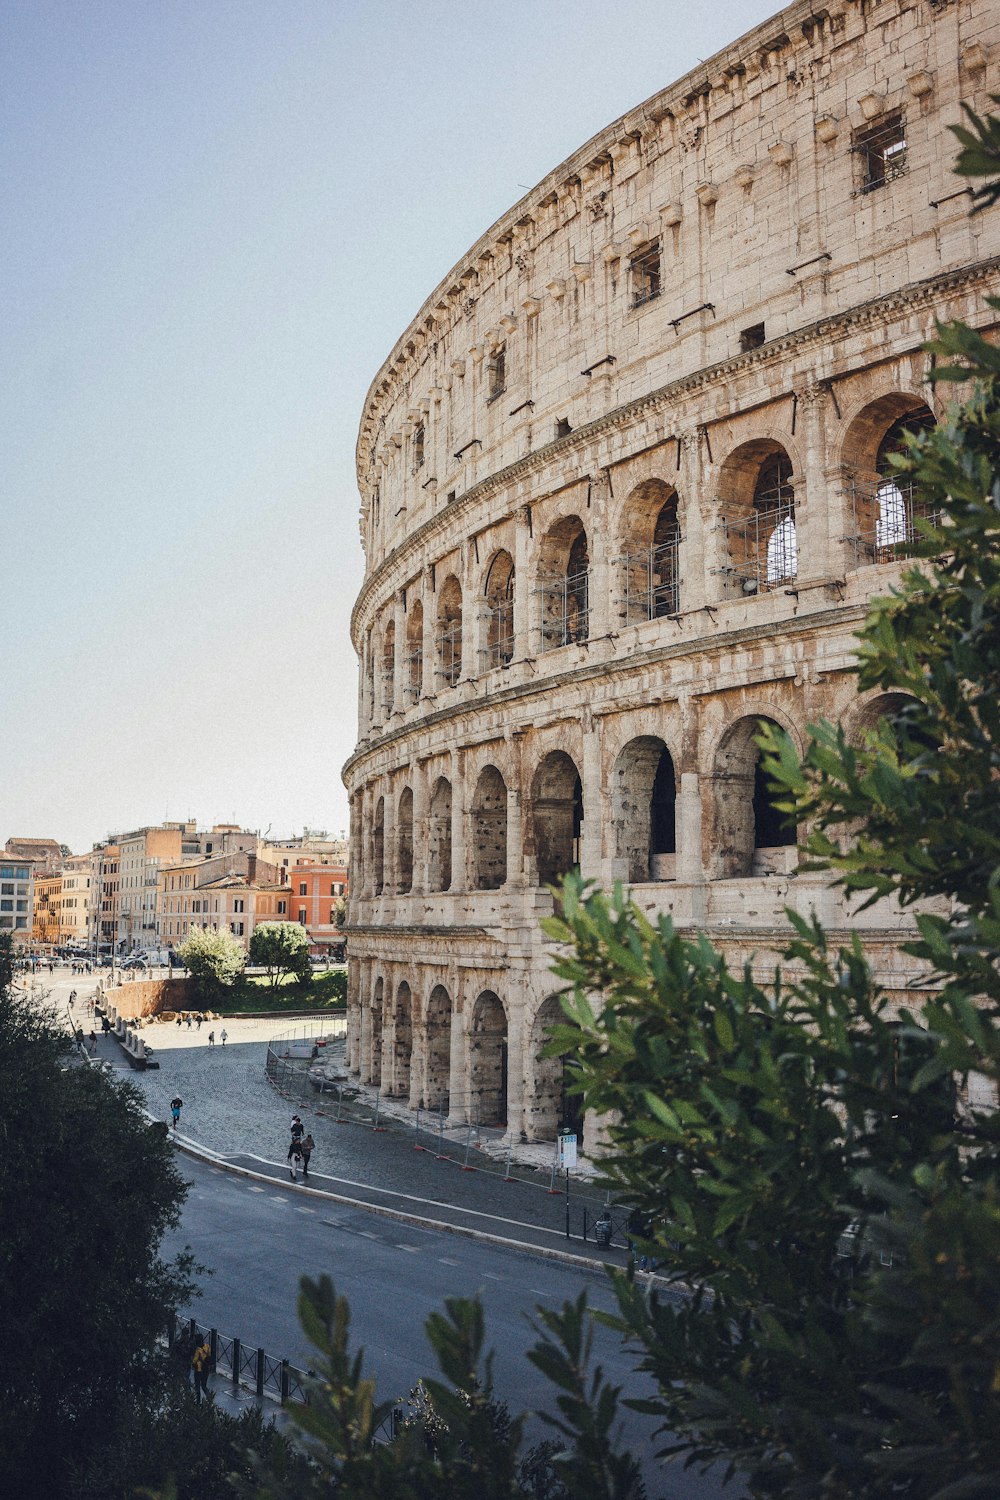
(625, 492)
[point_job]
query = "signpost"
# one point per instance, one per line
(567, 1160)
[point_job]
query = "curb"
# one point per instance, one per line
(524, 1247)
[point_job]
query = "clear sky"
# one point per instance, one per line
(218, 216)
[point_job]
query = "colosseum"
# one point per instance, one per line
(625, 492)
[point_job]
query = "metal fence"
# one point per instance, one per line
(241, 1364)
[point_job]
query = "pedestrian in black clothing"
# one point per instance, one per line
(294, 1159)
(307, 1148)
(297, 1128)
(176, 1104)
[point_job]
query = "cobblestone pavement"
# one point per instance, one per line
(231, 1109)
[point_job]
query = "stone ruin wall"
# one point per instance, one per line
(581, 594)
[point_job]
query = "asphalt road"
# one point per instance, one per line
(258, 1240)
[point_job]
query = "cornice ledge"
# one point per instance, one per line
(863, 313)
(840, 615)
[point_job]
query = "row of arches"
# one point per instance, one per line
(465, 1065)
(642, 827)
(757, 516)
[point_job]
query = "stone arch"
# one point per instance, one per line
(439, 837)
(449, 631)
(489, 830)
(498, 591)
(404, 842)
(556, 816)
(869, 713)
(649, 560)
(402, 1041)
(564, 584)
(748, 825)
(377, 1019)
(414, 672)
(437, 1052)
(884, 510)
(388, 667)
(551, 1107)
(643, 810)
(488, 1080)
(757, 501)
(378, 847)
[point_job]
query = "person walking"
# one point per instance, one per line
(297, 1128)
(223, 1036)
(189, 1020)
(211, 1038)
(92, 1042)
(307, 1148)
(176, 1105)
(294, 1160)
(200, 1019)
(201, 1361)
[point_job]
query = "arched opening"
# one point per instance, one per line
(758, 511)
(556, 817)
(404, 842)
(564, 584)
(415, 651)
(649, 565)
(488, 1061)
(552, 1107)
(438, 1053)
(489, 830)
(378, 847)
(499, 592)
(402, 1041)
(643, 798)
(439, 837)
(449, 632)
(388, 667)
(751, 832)
(885, 509)
(378, 1003)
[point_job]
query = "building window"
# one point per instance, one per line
(333, 917)
(302, 916)
(644, 269)
(498, 373)
(418, 447)
(282, 908)
(881, 151)
(238, 906)
(751, 338)
(303, 888)
(563, 429)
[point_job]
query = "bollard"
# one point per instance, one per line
(440, 1150)
(468, 1144)
(284, 1381)
(260, 1373)
(510, 1146)
(378, 1101)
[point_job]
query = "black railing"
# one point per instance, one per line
(242, 1365)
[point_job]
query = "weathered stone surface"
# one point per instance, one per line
(659, 509)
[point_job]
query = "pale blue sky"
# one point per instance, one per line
(218, 216)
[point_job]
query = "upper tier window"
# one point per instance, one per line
(882, 152)
(644, 269)
(498, 373)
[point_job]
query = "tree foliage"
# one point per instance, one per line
(282, 948)
(87, 1189)
(214, 959)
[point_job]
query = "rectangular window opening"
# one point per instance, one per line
(882, 152)
(751, 338)
(644, 269)
(498, 373)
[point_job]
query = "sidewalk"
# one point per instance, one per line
(233, 1116)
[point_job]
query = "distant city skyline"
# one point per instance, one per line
(219, 217)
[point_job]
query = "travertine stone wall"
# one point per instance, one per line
(624, 493)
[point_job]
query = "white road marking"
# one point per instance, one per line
(410, 1249)
(367, 1234)
(277, 1198)
(255, 1187)
(305, 1210)
(444, 1261)
(491, 1277)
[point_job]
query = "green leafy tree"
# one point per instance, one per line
(215, 960)
(282, 948)
(87, 1189)
(799, 1152)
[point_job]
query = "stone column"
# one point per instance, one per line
(364, 1064)
(813, 512)
(354, 980)
(388, 791)
(399, 652)
(459, 870)
(517, 1057)
(701, 546)
(421, 842)
(429, 600)
(418, 1047)
(470, 606)
(597, 521)
(515, 804)
(593, 797)
(524, 582)
(458, 1081)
